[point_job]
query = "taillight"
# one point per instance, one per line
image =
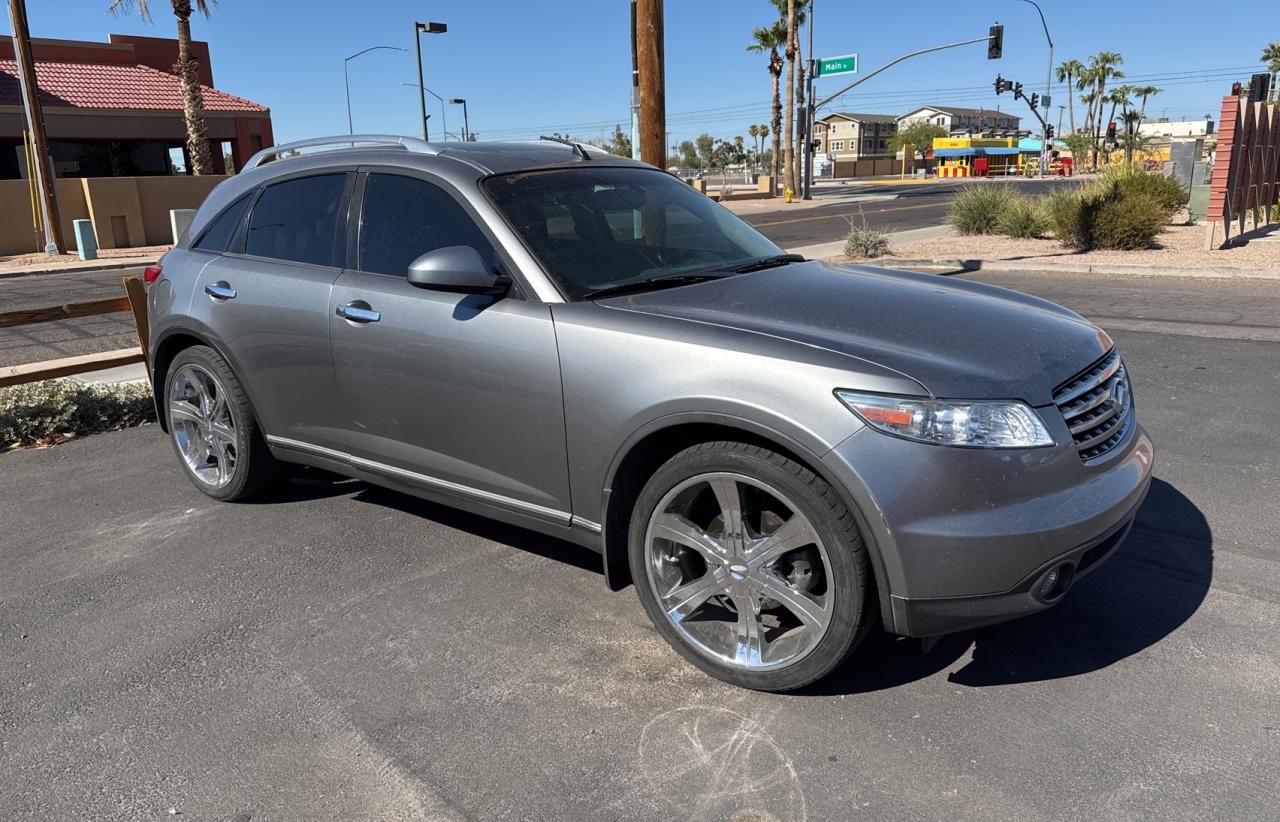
(152, 273)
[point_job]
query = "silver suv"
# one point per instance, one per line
(779, 453)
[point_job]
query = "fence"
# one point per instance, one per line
(873, 167)
(135, 301)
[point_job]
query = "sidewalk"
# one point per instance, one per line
(109, 259)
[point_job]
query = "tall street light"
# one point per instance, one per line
(444, 120)
(346, 76)
(466, 123)
(420, 29)
(1048, 81)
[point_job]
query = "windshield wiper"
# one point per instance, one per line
(651, 284)
(767, 262)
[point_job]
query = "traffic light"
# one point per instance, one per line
(1002, 85)
(1048, 132)
(995, 42)
(1259, 85)
(1235, 89)
(1017, 91)
(1035, 100)
(1111, 132)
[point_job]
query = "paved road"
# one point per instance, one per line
(346, 652)
(64, 338)
(917, 205)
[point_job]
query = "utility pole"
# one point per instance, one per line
(635, 89)
(651, 81)
(44, 174)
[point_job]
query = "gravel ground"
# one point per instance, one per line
(43, 261)
(1181, 246)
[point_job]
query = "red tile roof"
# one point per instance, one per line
(98, 85)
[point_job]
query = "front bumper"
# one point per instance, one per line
(963, 537)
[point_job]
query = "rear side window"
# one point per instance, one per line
(404, 218)
(297, 220)
(217, 237)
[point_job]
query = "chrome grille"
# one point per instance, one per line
(1098, 406)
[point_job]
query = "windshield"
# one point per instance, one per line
(599, 228)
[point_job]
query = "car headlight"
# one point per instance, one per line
(969, 424)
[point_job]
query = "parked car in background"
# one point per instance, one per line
(780, 454)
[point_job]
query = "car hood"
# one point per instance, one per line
(959, 339)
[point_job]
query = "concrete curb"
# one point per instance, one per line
(1113, 269)
(104, 265)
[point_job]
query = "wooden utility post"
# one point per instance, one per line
(35, 121)
(653, 94)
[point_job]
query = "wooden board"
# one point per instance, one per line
(67, 366)
(66, 311)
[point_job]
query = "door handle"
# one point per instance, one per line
(220, 291)
(358, 312)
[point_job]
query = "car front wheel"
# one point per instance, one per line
(750, 565)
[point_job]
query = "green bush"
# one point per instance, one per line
(1022, 219)
(1164, 190)
(1128, 222)
(1068, 213)
(977, 209)
(1122, 210)
(49, 411)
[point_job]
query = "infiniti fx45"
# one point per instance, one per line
(780, 454)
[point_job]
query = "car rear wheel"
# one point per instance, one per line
(213, 429)
(750, 565)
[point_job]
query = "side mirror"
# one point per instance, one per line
(456, 268)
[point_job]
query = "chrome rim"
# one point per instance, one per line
(202, 425)
(739, 571)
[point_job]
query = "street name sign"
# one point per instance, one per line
(844, 64)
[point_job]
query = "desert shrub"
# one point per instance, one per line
(977, 209)
(1069, 213)
(1128, 222)
(47, 411)
(864, 241)
(1022, 219)
(1165, 191)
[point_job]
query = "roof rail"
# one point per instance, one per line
(413, 144)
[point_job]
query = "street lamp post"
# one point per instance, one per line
(466, 122)
(444, 119)
(346, 76)
(420, 29)
(1048, 82)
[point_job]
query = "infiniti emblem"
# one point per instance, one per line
(1120, 393)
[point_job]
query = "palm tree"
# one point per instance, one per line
(1103, 67)
(1067, 72)
(188, 70)
(754, 131)
(1271, 56)
(764, 135)
(1144, 92)
(770, 39)
(792, 13)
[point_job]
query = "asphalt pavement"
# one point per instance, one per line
(345, 652)
(889, 208)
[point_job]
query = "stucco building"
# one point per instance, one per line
(963, 120)
(114, 109)
(847, 135)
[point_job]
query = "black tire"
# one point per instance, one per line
(849, 574)
(255, 468)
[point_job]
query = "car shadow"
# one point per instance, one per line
(1152, 584)
(1155, 581)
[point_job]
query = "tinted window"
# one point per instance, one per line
(404, 218)
(217, 237)
(599, 227)
(297, 220)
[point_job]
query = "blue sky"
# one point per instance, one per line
(530, 66)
